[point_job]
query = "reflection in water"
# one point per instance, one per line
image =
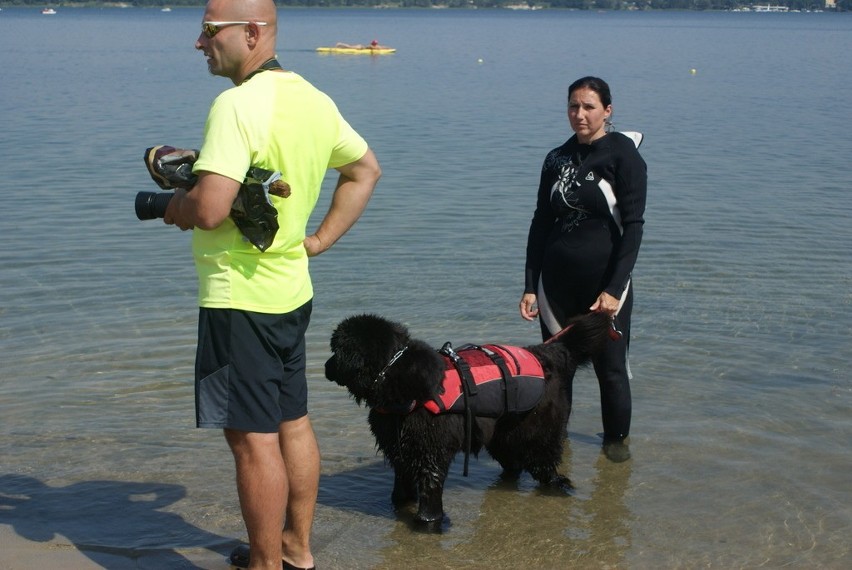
(609, 518)
(105, 518)
(521, 525)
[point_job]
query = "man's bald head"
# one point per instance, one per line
(243, 10)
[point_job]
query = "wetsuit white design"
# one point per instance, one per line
(584, 239)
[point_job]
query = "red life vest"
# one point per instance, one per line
(498, 380)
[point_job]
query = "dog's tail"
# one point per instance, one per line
(584, 336)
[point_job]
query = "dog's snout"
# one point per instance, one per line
(330, 369)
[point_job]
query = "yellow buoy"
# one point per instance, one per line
(693, 71)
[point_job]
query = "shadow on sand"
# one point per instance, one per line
(106, 520)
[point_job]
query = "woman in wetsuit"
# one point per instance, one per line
(584, 239)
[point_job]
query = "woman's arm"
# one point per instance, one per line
(631, 181)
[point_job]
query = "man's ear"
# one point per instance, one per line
(252, 34)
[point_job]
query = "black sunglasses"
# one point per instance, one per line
(210, 29)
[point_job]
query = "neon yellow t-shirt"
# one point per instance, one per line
(277, 121)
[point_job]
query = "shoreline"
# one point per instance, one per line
(745, 8)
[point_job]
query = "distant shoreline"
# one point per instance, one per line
(519, 6)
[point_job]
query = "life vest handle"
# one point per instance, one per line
(468, 391)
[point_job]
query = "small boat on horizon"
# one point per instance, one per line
(48, 11)
(357, 50)
(372, 48)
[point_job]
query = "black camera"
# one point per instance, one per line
(150, 205)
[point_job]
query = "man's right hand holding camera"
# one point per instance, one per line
(206, 206)
(174, 215)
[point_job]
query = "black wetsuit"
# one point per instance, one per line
(584, 239)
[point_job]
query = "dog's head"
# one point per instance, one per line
(380, 364)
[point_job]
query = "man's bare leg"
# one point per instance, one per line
(302, 460)
(262, 488)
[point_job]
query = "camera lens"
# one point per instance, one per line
(150, 205)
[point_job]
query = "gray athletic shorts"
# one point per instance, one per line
(250, 369)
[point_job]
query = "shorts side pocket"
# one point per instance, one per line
(211, 399)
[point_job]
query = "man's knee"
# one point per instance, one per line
(246, 444)
(299, 427)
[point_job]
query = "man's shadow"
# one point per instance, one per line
(107, 521)
(366, 489)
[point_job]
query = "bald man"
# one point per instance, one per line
(254, 306)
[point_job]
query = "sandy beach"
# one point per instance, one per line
(18, 553)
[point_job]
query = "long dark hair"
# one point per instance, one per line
(596, 84)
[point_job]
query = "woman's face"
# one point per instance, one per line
(587, 114)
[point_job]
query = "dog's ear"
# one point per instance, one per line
(586, 336)
(362, 347)
(417, 375)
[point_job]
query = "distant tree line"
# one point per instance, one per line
(842, 5)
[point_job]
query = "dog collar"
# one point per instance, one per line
(393, 359)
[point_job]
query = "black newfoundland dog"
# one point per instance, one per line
(400, 379)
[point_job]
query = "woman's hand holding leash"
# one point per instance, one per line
(608, 304)
(605, 303)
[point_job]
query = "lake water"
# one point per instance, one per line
(741, 347)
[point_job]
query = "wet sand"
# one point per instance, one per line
(18, 553)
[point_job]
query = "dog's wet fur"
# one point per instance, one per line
(419, 445)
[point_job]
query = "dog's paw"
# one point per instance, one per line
(431, 526)
(557, 485)
(510, 475)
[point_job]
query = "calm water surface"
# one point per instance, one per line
(740, 444)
